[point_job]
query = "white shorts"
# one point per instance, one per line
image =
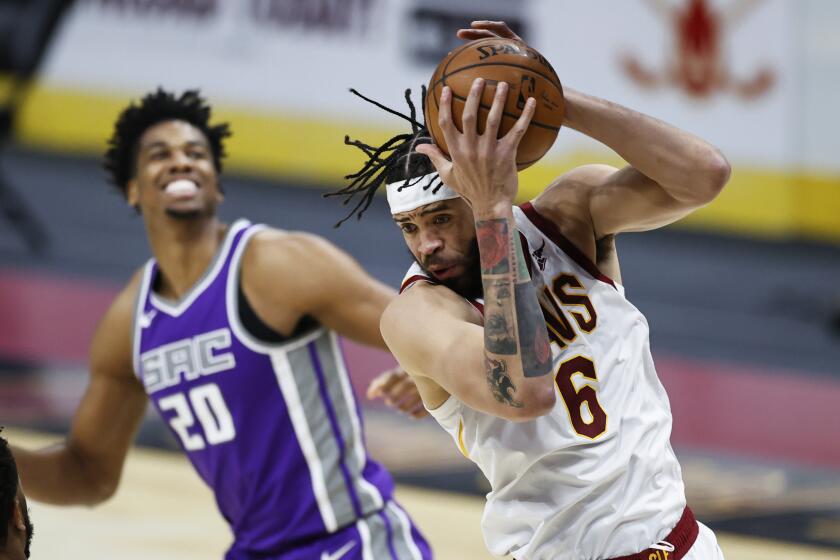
(705, 547)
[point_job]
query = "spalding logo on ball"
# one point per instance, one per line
(496, 60)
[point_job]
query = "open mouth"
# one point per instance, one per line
(181, 188)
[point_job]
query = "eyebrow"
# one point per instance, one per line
(163, 144)
(435, 207)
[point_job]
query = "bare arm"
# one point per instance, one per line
(86, 467)
(400, 391)
(514, 329)
(671, 172)
(435, 335)
(294, 274)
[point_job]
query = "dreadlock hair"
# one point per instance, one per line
(393, 161)
(8, 488)
(123, 146)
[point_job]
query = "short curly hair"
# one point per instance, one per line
(156, 107)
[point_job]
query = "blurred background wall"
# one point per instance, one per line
(743, 297)
(757, 78)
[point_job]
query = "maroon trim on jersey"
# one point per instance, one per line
(682, 537)
(552, 232)
(415, 278)
(526, 251)
(478, 306)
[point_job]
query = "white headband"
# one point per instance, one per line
(417, 193)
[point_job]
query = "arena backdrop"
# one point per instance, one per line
(753, 77)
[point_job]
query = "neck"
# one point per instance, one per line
(183, 250)
(9, 553)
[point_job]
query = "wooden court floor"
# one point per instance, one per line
(164, 512)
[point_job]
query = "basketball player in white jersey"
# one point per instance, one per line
(527, 354)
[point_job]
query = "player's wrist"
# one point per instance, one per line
(490, 209)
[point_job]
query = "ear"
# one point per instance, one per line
(132, 193)
(17, 516)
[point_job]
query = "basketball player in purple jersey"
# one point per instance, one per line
(231, 332)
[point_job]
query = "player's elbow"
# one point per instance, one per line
(101, 491)
(538, 401)
(713, 174)
(94, 482)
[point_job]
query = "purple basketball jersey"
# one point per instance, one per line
(273, 429)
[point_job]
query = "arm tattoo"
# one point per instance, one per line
(533, 337)
(499, 334)
(514, 323)
(500, 383)
(493, 246)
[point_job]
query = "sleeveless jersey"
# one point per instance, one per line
(273, 429)
(596, 477)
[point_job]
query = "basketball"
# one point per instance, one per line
(528, 74)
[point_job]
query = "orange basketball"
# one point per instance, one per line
(527, 73)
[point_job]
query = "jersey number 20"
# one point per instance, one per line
(213, 415)
(575, 399)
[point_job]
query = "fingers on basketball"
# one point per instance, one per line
(495, 28)
(494, 116)
(469, 118)
(521, 127)
(496, 60)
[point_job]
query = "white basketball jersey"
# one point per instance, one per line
(596, 477)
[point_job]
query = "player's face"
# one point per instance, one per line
(175, 175)
(441, 238)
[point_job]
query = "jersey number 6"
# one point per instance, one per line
(575, 399)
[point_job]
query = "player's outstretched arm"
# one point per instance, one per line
(285, 270)
(86, 467)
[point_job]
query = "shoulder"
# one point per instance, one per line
(272, 243)
(277, 263)
(110, 352)
(123, 306)
(570, 193)
(275, 255)
(566, 204)
(276, 249)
